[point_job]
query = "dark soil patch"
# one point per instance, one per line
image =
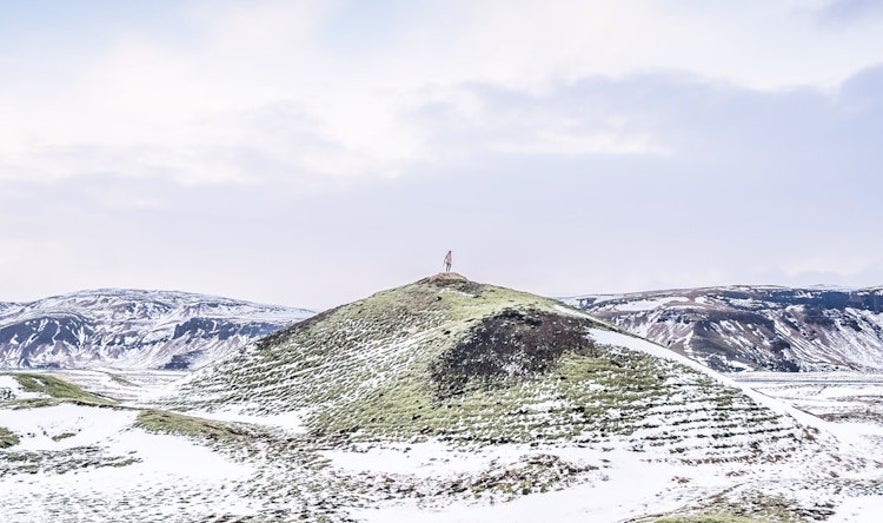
(514, 343)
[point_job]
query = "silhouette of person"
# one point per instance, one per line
(448, 259)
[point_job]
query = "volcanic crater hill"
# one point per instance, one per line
(132, 329)
(467, 363)
(443, 399)
(755, 327)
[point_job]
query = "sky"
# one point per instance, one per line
(310, 153)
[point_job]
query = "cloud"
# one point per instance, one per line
(319, 96)
(318, 154)
(562, 144)
(849, 11)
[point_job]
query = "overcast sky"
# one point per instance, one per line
(311, 153)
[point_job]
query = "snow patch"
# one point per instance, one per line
(647, 305)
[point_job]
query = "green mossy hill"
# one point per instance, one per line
(55, 391)
(350, 348)
(450, 358)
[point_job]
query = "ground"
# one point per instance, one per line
(81, 462)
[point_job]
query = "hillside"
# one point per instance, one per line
(132, 329)
(496, 372)
(744, 327)
(454, 359)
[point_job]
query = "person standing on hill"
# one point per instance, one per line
(448, 259)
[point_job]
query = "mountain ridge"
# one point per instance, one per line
(744, 327)
(132, 328)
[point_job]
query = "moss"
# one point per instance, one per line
(164, 422)
(63, 435)
(57, 389)
(709, 518)
(603, 392)
(120, 380)
(7, 438)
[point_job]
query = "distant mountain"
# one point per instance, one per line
(135, 329)
(755, 327)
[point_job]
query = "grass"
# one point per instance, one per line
(7, 438)
(57, 391)
(579, 396)
(164, 422)
(709, 518)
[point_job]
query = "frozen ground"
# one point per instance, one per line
(86, 463)
(851, 403)
(130, 386)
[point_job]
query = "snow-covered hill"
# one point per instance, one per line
(442, 400)
(133, 329)
(755, 327)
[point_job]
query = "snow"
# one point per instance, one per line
(632, 487)
(37, 427)
(864, 509)
(178, 478)
(14, 389)
(646, 305)
(852, 399)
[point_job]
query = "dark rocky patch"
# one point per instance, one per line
(214, 328)
(741, 317)
(512, 343)
(182, 361)
(815, 315)
(47, 331)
